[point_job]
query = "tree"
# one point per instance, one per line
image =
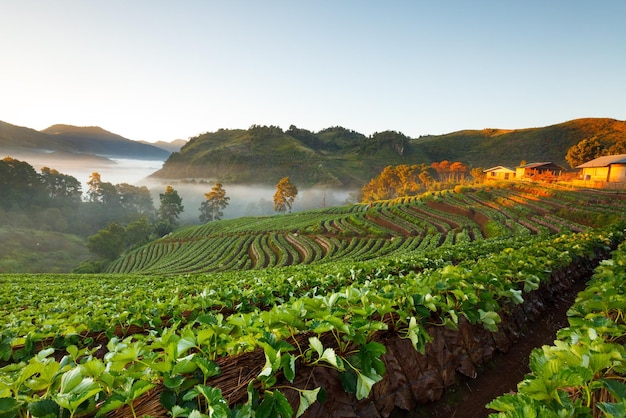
(100, 191)
(61, 188)
(216, 201)
(133, 198)
(20, 185)
(285, 195)
(171, 207)
(108, 243)
(586, 150)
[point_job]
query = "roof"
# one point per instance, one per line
(604, 161)
(533, 165)
(499, 168)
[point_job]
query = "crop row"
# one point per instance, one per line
(356, 234)
(584, 372)
(310, 319)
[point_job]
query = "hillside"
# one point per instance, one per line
(490, 147)
(172, 146)
(342, 157)
(68, 141)
(34, 251)
(377, 311)
(359, 232)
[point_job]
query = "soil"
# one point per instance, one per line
(501, 374)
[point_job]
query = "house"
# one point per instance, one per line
(609, 169)
(533, 170)
(499, 173)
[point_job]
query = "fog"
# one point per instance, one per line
(245, 200)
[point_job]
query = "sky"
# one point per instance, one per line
(163, 70)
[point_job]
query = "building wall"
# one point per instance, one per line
(500, 175)
(596, 173)
(618, 172)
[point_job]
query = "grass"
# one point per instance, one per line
(35, 251)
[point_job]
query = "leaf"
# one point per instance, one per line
(612, 410)
(288, 364)
(282, 406)
(71, 379)
(617, 388)
(307, 398)
(139, 388)
(208, 368)
(316, 344)
(168, 399)
(330, 357)
(112, 403)
(9, 407)
(45, 408)
(364, 384)
(185, 365)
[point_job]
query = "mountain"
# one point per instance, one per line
(263, 155)
(341, 157)
(173, 146)
(491, 147)
(72, 141)
(95, 140)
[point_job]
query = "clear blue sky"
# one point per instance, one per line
(162, 70)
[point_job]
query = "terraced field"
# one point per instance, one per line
(350, 311)
(362, 232)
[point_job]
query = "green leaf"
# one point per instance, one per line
(9, 407)
(613, 410)
(288, 364)
(282, 406)
(45, 408)
(330, 357)
(185, 365)
(617, 388)
(139, 388)
(316, 345)
(307, 398)
(112, 403)
(364, 384)
(208, 368)
(168, 399)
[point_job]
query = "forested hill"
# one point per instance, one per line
(69, 140)
(342, 157)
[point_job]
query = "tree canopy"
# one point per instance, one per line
(171, 207)
(285, 195)
(213, 205)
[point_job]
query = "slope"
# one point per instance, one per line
(66, 141)
(341, 157)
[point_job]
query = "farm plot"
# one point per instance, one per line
(249, 342)
(360, 232)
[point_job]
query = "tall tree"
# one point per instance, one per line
(109, 242)
(585, 150)
(285, 194)
(215, 202)
(61, 188)
(100, 191)
(171, 207)
(133, 198)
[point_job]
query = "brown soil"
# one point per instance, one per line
(502, 373)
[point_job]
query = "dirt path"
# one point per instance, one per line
(500, 375)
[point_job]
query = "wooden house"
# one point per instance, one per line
(607, 169)
(533, 170)
(499, 173)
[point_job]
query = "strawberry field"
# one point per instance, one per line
(321, 313)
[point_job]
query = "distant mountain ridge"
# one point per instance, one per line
(335, 156)
(341, 157)
(68, 140)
